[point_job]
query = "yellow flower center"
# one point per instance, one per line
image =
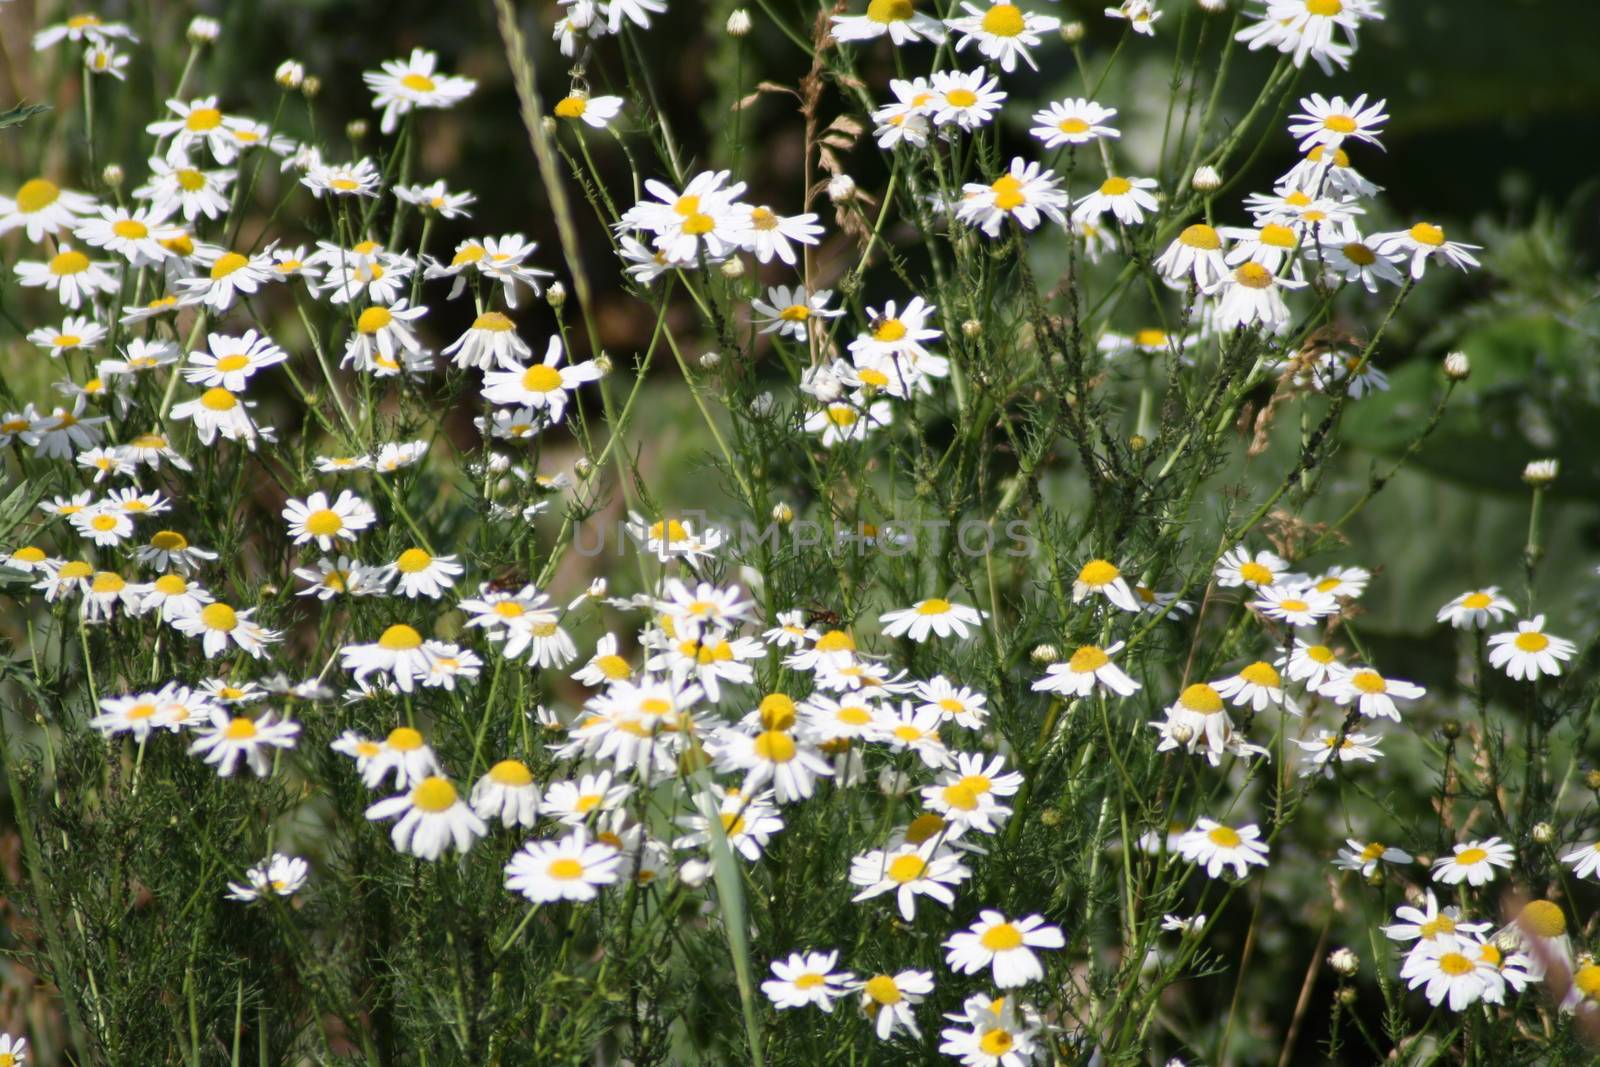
(795, 313)
(400, 638)
(1001, 938)
(1007, 189)
(882, 990)
(1532, 641)
(418, 83)
(1252, 572)
(1340, 124)
(1588, 980)
(699, 223)
(226, 264)
(1455, 964)
(202, 119)
(404, 739)
(171, 585)
(763, 218)
(541, 379)
(324, 523)
(809, 980)
(1278, 235)
(1150, 339)
(1098, 572)
(571, 107)
(37, 194)
(907, 868)
(169, 541)
(1369, 682)
(108, 582)
(842, 415)
(775, 746)
(1476, 601)
(1372, 852)
(1325, 8)
(1426, 233)
(434, 795)
(69, 262)
(776, 711)
(887, 11)
(132, 229)
(1224, 836)
(374, 319)
(960, 97)
(1202, 698)
(835, 641)
(925, 827)
(613, 667)
(74, 570)
(493, 321)
(413, 560)
(104, 522)
(219, 617)
(1202, 237)
(134, 714)
(1253, 276)
(1544, 918)
(1115, 187)
(511, 772)
(1004, 20)
(1087, 659)
(1073, 125)
(240, 730)
(853, 715)
(996, 1042)
(1439, 924)
(1468, 856)
(1262, 674)
(190, 180)
(28, 554)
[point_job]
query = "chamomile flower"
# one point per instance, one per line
(1421, 243)
(136, 233)
(1088, 666)
(572, 803)
(1364, 856)
(396, 455)
(75, 333)
(359, 178)
(965, 99)
(1313, 665)
(1476, 608)
(1195, 254)
(1026, 193)
(103, 58)
(841, 422)
(1329, 749)
(404, 84)
(807, 979)
(887, 1000)
(1074, 121)
(436, 198)
(595, 111)
(1295, 605)
(955, 703)
(1003, 32)
(668, 538)
(1356, 261)
(706, 216)
(416, 573)
(1004, 946)
(967, 796)
(909, 871)
(134, 714)
(169, 549)
(1238, 567)
(789, 762)
(1330, 122)
(1257, 686)
(218, 625)
(231, 361)
(176, 185)
(104, 528)
(1473, 862)
(399, 652)
(572, 868)
(403, 753)
(432, 817)
(1429, 922)
(1453, 970)
(543, 385)
(384, 332)
(508, 792)
(40, 207)
(230, 276)
(992, 1032)
(1214, 846)
(767, 235)
(172, 595)
(1141, 15)
(71, 275)
(900, 19)
(1306, 29)
(1585, 860)
(1100, 577)
(936, 616)
(196, 123)
(326, 522)
(637, 12)
(278, 874)
(1252, 295)
(1126, 198)
(788, 312)
(1373, 695)
(1530, 652)
(228, 739)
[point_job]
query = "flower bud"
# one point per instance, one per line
(583, 467)
(549, 126)
(356, 129)
(841, 188)
(1457, 367)
(1541, 472)
(1543, 833)
(1181, 734)
(1592, 780)
(311, 86)
(762, 405)
(113, 175)
(203, 30)
(603, 363)
(1137, 442)
(782, 513)
(1045, 654)
(732, 267)
(710, 360)
(556, 295)
(1451, 729)
(971, 329)
(1344, 962)
(290, 74)
(1214, 7)
(1206, 179)
(1050, 817)
(1072, 32)
(597, 588)
(739, 23)
(1348, 995)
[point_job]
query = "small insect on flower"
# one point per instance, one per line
(1473, 862)
(807, 978)
(1004, 946)
(1530, 652)
(573, 868)
(280, 875)
(1215, 846)
(227, 739)
(432, 817)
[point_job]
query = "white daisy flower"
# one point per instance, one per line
(1474, 862)
(1373, 695)
(542, 385)
(278, 874)
(404, 84)
(1126, 198)
(326, 522)
(432, 816)
(1087, 666)
(1195, 253)
(1424, 242)
(1330, 122)
(71, 275)
(399, 652)
(807, 979)
(1003, 32)
(1004, 946)
(936, 616)
(573, 868)
(228, 739)
(1026, 193)
(1530, 652)
(1216, 846)
(1074, 121)
(218, 625)
(40, 207)
(417, 573)
(788, 312)
(595, 111)
(1476, 608)
(898, 18)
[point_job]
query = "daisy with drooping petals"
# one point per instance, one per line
(573, 868)
(1126, 198)
(1074, 121)
(508, 792)
(595, 111)
(1328, 749)
(1257, 686)
(432, 816)
(1101, 577)
(1530, 652)
(806, 979)
(1004, 946)
(1476, 608)
(1195, 253)
(418, 573)
(767, 234)
(218, 625)
(317, 519)
(1141, 15)
(967, 796)
(887, 1000)
(1306, 28)
(1215, 846)
(229, 739)
(992, 1032)
(1585, 860)
(1424, 242)
(1087, 666)
(936, 616)
(404, 84)
(898, 18)
(1365, 856)
(1473, 862)
(399, 652)
(1373, 694)
(1003, 32)
(1251, 296)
